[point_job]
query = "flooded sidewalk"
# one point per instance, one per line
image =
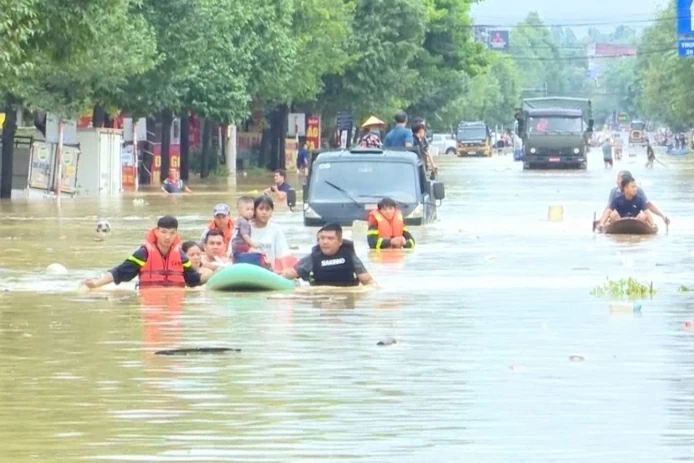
(500, 352)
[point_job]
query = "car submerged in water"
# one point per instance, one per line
(345, 185)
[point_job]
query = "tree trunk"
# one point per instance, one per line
(278, 131)
(146, 178)
(98, 116)
(265, 145)
(9, 129)
(206, 148)
(166, 123)
(223, 130)
(185, 146)
(59, 160)
(283, 115)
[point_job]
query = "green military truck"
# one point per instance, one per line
(555, 132)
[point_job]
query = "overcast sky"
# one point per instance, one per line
(635, 13)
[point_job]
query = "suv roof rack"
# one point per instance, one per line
(361, 150)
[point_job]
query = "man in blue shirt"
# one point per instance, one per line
(617, 191)
(302, 163)
(627, 205)
(400, 136)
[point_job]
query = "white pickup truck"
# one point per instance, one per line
(441, 143)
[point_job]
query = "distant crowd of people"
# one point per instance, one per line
(400, 136)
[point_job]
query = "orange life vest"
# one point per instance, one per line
(387, 229)
(228, 231)
(161, 271)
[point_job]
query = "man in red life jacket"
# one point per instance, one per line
(387, 227)
(160, 262)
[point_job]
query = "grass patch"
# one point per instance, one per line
(628, 288)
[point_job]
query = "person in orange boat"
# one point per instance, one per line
(222, 221)
(387, 227)
(160, 262)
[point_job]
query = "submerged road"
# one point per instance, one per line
(501, 353)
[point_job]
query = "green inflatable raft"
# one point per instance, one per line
(248, 277)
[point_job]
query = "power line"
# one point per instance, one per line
(495, 19)
(584, 58)
(523, 25)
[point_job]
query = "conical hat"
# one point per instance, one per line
(373, 121)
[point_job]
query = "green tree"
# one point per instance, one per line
(446, 58)
(550, 60)
(68, 81)
(379, 80)
(322, 31)
(18, 23)
(666, 80)
(618, 89)
(64, 60)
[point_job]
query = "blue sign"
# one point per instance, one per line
(685, 10)
(685, 48)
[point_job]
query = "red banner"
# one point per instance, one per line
(174, 161)
(313, 132)
(128, 178)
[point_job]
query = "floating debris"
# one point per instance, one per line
(197, 350)
(625, 307)
(576, 358)
(387, 342)
(683, 289)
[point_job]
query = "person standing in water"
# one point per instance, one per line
(607, 153)
(650, 154)
(214, 250)
(279, 187)
(302, 163)
(173, 183)
(332, 262)
(194, 253)
(221, 221)
(160, 262)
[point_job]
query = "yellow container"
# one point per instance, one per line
(555, 213)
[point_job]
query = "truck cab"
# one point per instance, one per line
(637, 133)
(554, 132)
(345, 185)
(472, 139)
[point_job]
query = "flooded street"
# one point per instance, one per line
(486, 313)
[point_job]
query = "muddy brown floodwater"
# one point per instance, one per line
(501, 353)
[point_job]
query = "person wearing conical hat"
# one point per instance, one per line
(369, 136)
